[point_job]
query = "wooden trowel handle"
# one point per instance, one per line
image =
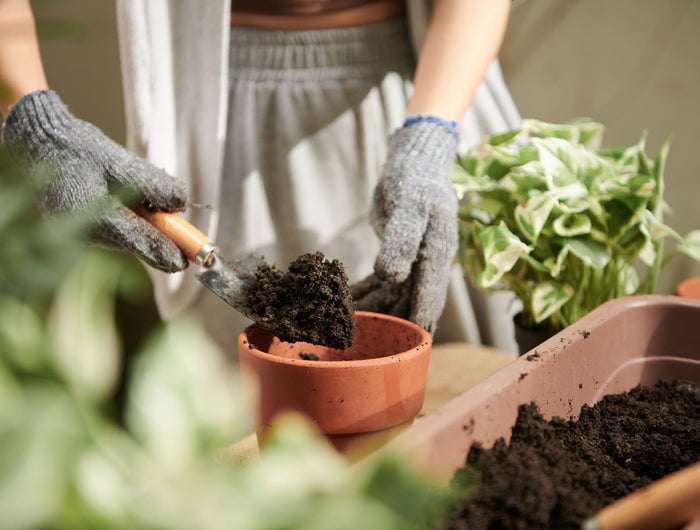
(194, 244)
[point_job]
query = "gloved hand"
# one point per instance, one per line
(78, 167)
(414, 213)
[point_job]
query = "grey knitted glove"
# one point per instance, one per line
(79, 169)
(414, 213)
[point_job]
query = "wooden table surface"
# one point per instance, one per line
(454, 368)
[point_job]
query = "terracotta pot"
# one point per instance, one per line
(376, 384)
(689, 288)
(623, 343)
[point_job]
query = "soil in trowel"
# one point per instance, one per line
(556, 474)
(310, 302)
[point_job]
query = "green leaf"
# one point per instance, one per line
(620, 156)
(570, 225)
(36, 455)
(21, 334)
(502, 249)
(691, 245)
(620, 217)
(14, 205)
(505, 138)
(548, 297)
(555, 265)
(532, 216)
(591, 133)
(658, 169)
(637, 242)
(599, 217)
(460, 179)
(526, 179)
(486, 205)
(647, 253)
(643, 163)
(472, 261)
(464, 182)
(627, 280)
(578, 205)
(630, 188)
(585, 132)
(644, 239)
(590, 252)
(656, 230)
(558, 159)
(499, 160)
(184, 399)
(660, 160)
(87, 349)
(470, 257)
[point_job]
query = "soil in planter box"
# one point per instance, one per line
(310, 302)
(555, 474)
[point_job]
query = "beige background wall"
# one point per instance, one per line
(631, 64)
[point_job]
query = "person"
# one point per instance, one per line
(289, 127)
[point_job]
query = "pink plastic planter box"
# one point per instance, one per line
(621, 344)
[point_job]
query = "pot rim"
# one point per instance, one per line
(417, 351)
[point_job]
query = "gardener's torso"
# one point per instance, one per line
(312, 14)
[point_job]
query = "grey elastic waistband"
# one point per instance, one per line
(327, 53)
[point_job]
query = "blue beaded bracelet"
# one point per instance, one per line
(450, 125)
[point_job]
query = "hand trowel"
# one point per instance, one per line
(228, 279)
(291, 318)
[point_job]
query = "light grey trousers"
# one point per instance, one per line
(309, 117)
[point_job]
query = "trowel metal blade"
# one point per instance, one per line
(230, 280)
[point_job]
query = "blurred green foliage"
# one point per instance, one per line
(66, 463)
(69, 461)
(50, 28)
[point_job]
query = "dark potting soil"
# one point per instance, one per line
(310, 302)
(556, 474)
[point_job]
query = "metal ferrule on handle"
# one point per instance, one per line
(194, 244)
(205, 256)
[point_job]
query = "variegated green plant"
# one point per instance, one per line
(548, 214)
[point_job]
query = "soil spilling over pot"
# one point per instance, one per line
(310, 302)
(557, 474)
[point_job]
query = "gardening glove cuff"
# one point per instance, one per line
(78, 169)
(414, 213)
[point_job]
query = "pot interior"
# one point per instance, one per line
(376, 336)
